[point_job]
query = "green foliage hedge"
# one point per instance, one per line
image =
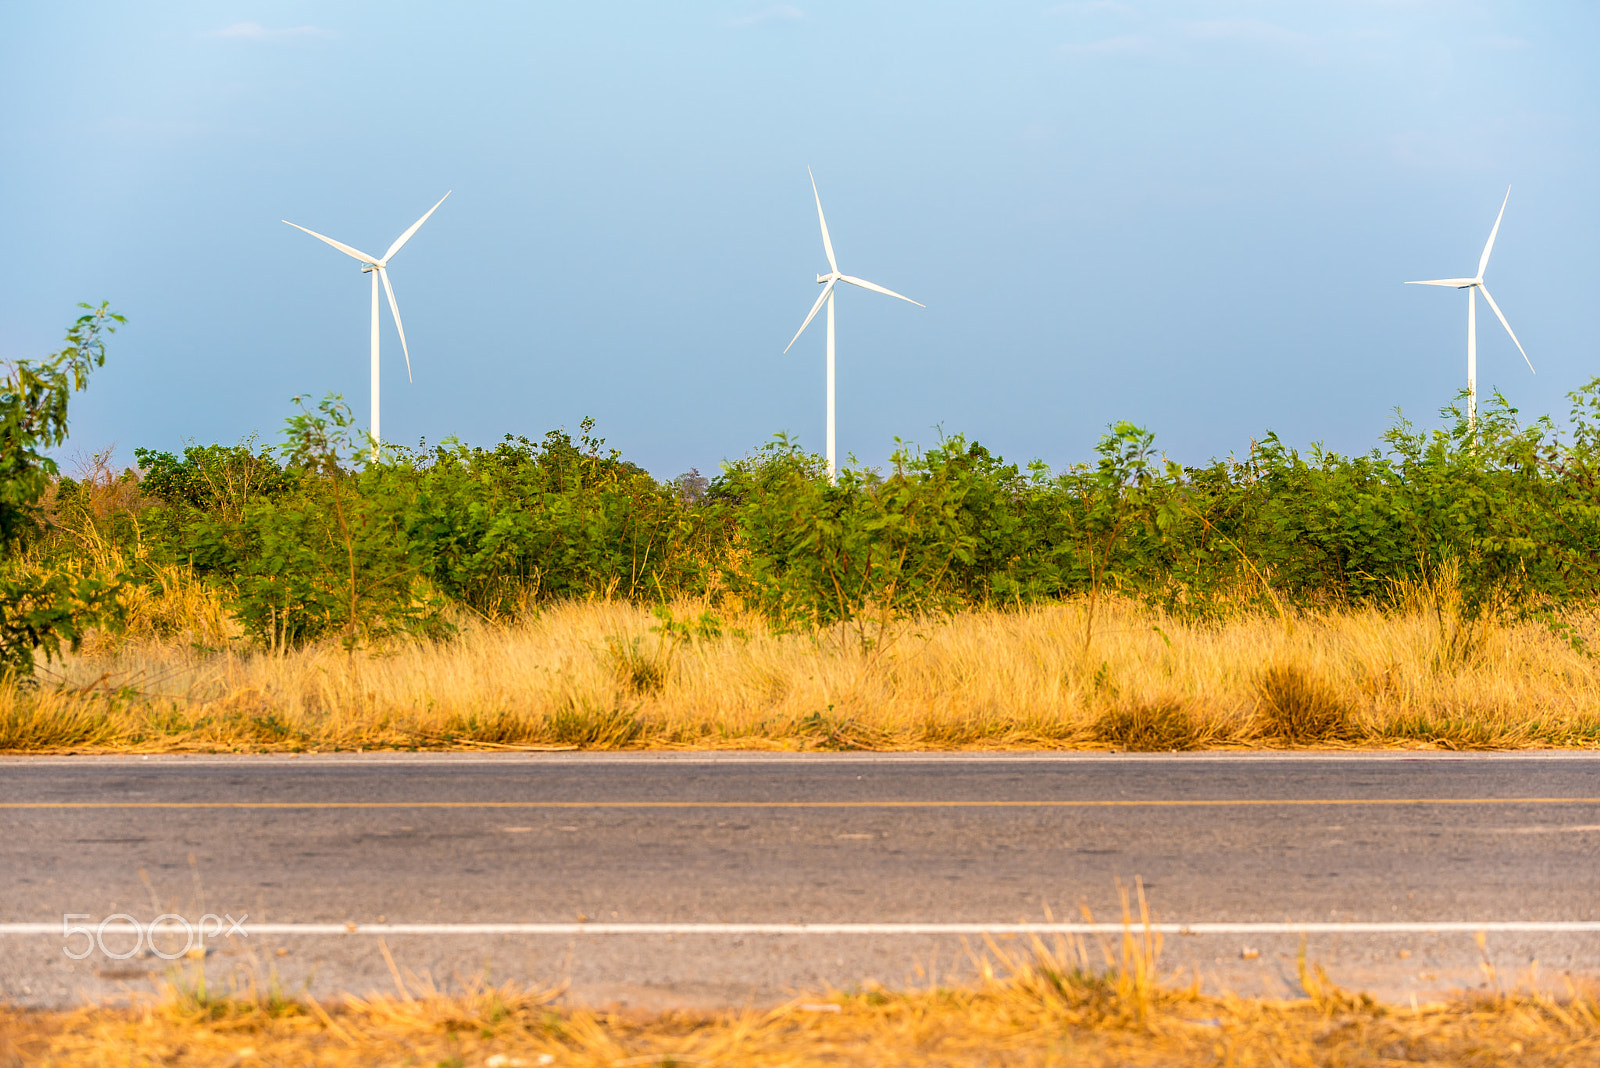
(316, 537)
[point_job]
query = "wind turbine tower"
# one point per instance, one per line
(1472, 285)
(828, 281)
(378, 267)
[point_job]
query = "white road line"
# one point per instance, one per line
(1288, 928)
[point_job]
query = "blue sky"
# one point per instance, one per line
(1193, 215)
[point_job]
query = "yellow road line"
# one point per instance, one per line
(1170, 803)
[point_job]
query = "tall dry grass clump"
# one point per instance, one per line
(1298, 708)
(604, 674)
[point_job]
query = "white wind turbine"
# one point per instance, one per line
(1472, 285)
(828, 281)
(377, 266)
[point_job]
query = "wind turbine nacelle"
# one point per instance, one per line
(821, 278)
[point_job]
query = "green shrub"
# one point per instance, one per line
(42, 605)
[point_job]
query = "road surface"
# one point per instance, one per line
(701, 879)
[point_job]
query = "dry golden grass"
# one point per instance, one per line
(1047, 1010)
(595, 675)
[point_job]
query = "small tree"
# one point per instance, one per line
(43, 607)
(33, 417)
(333, 555)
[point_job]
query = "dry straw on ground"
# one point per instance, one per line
(607, 674)
(1047, 1010)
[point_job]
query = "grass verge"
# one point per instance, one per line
(609, 675)
(1047, 1010)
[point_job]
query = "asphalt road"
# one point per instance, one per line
(586, 862)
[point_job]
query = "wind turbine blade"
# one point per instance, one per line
(1453, 283)
(1483, 261)
(394, 309)
(346, 249)
(827, 243)
(814, 309)
(864, 284)
(1499, 315)
(403, 238)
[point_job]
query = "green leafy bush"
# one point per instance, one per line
(43, 605)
